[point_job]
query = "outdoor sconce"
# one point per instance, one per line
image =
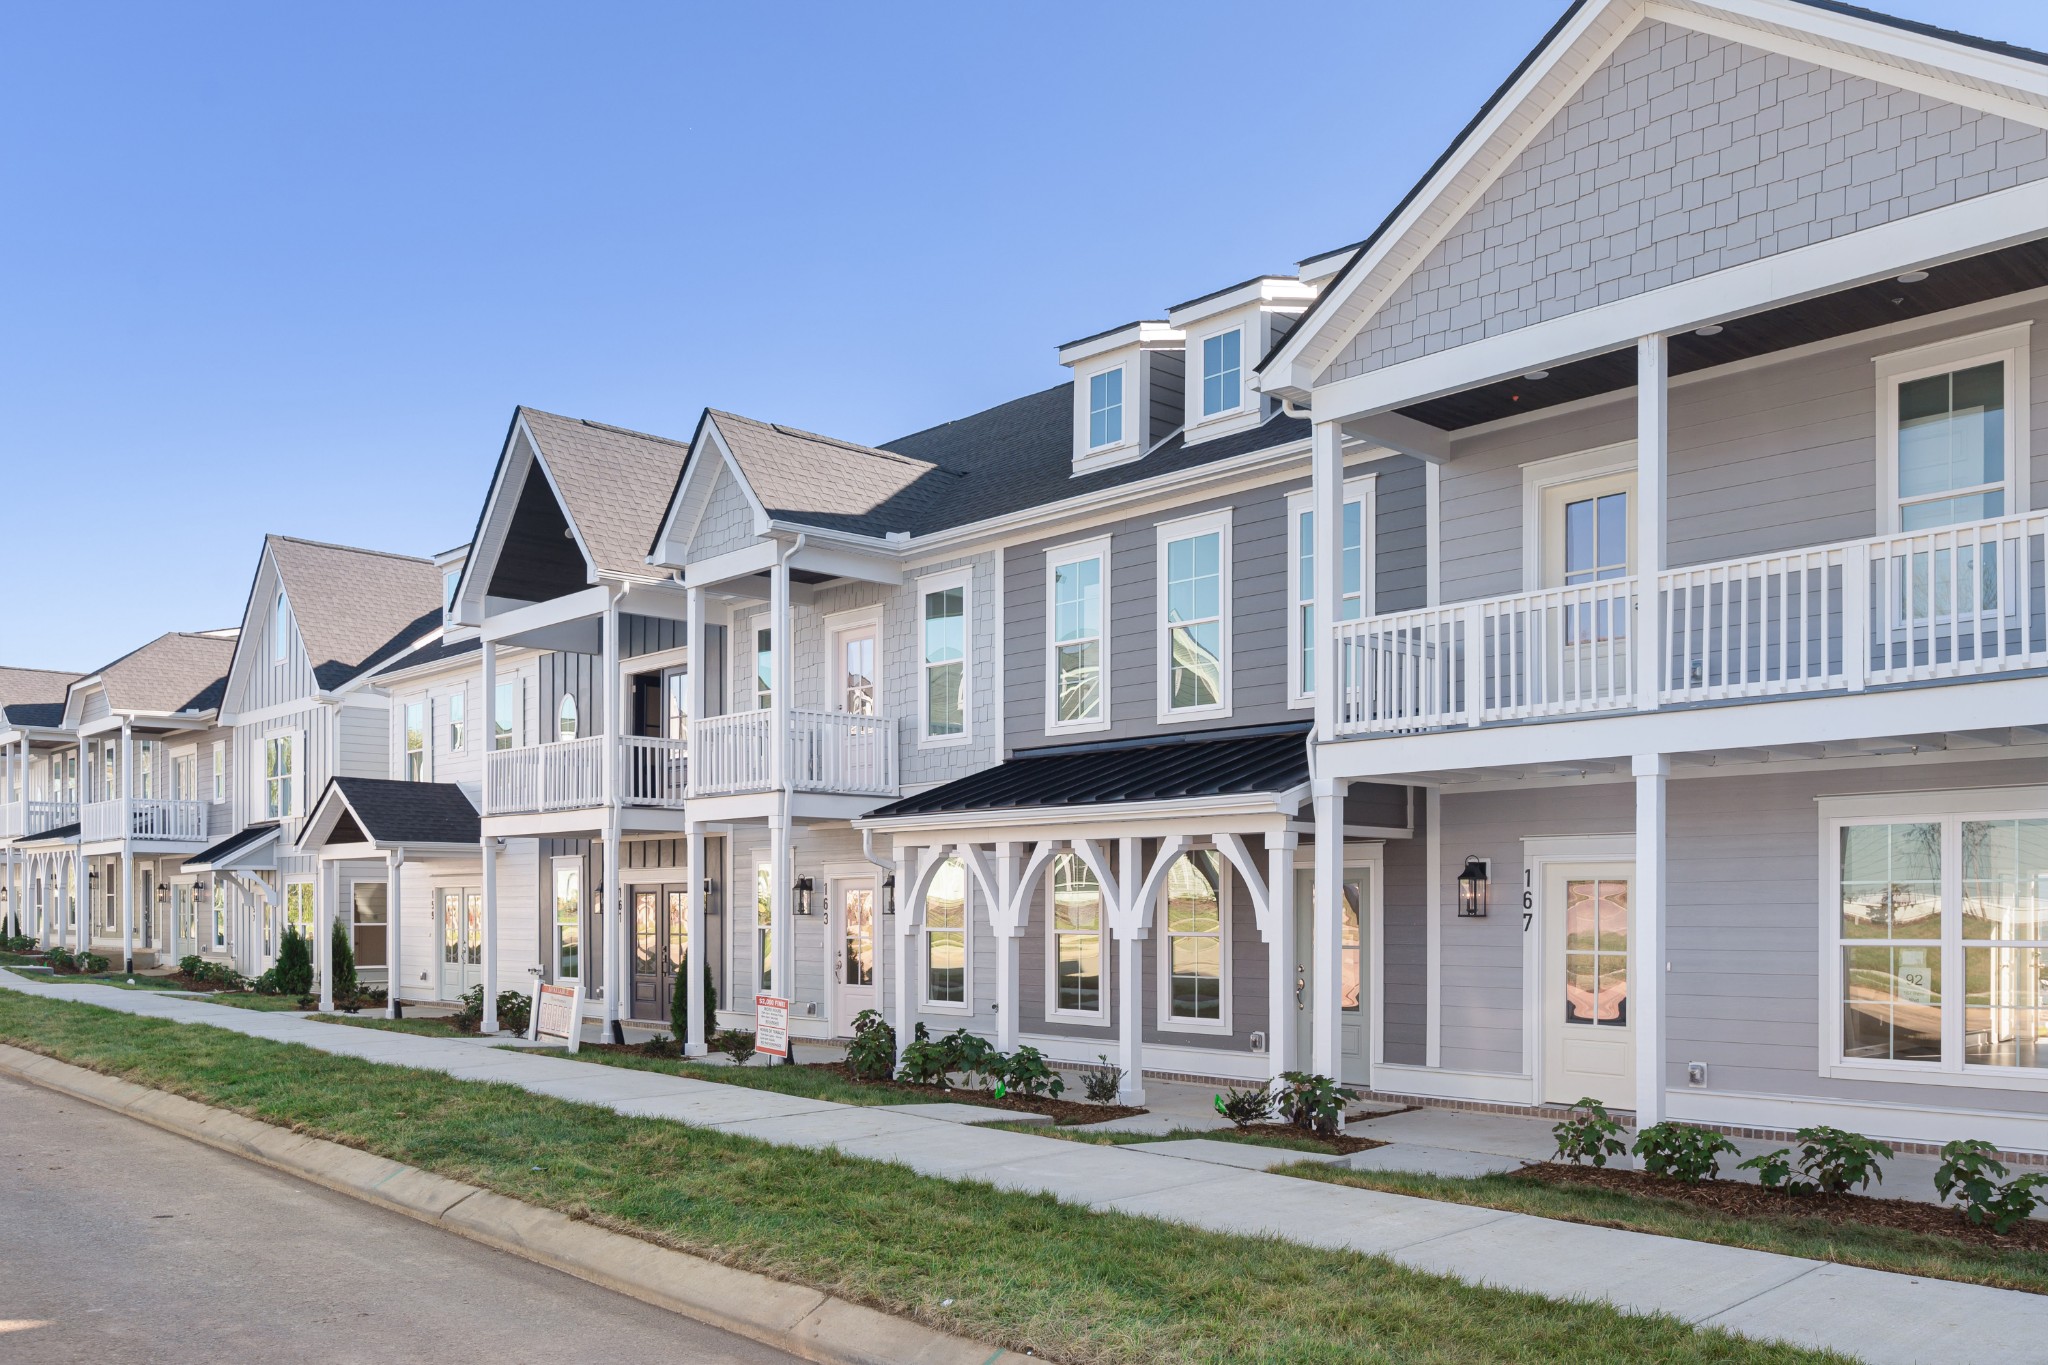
(889, 894)
(163, 892)
(1473, 884)
(802, 893)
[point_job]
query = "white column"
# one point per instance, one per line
(326, 890)
(694, 1042)
(489, 863)
(778, 674)
(1327, 949)
(394, 914)
(1130, 972)
(1327, 496)
(781, 872)
(694, 690)
(1007, 933)
(906, 931)
(1280, 951)
(1433, 925)
(1649, 965)
(127, 812)
(609, 899)
(1653, 411)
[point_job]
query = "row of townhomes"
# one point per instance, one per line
(1587, 638)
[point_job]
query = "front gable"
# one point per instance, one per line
(257, 677)
(525, 548)
(713, 510)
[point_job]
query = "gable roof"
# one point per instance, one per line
(354, 608)
(33, 697)
(180, 671)
(614, 484)
(388, 813)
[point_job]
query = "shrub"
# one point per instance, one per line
(925, 1061)
(266, 984)
(872, 1053)
(61, 960)
(1102, 1083)
(89, 963)
(1589, 1134)
(1830, 1161)
(973, 1056)
(735, 1043)
(1313, 1103)
(1027, 1072)
(341, 955)
(679, 1003)
(1972, 1175)
(1682, 1151)
(1246, 1107)
(21, 943)
(294, 964)
(515, 1010)
(192, 965)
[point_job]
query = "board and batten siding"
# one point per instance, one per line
(1261, 600)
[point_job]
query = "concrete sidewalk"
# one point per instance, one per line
(1874, 1315)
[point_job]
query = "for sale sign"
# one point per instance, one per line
(558, 1012)
(771, 1025)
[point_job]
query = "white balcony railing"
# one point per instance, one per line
(1916, 607)
(653, 771)
(143, 818)
(566, 775)
(42, 816)
(829, 751)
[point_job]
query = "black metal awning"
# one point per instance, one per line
(237, 849)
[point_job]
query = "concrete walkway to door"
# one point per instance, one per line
(1874, 1315)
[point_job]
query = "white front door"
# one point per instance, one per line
(459, 915)
(852, 933)
(1588, 1028)
(857, 686)
(1350, 988)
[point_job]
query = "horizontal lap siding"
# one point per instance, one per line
(1405, 946)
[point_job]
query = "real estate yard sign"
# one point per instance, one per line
(558, 1013)
(771, 1025)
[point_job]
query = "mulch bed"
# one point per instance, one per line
(1741, 1200)
(1343, 1145)
(1061, 1111)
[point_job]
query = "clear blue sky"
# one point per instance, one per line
(288, 267)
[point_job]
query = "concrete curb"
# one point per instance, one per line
(804, 1322)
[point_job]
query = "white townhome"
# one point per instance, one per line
(1726, 704)
(38, 794)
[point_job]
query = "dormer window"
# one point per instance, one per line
(1106, 408)
(449, 578)
(1222, 372)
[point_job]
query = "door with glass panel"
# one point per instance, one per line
(1354, 1041)
(850, 928)
(849, 755)
(1588, 1027)
(459, 915)
(661, 940)
(1576, 650)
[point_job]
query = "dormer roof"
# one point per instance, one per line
(354, 608)
(182, 672)
(33, 698)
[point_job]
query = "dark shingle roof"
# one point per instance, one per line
(34, 715)
(24, 686)
(205, 859)
(1270, 758)
(614, 484)
(61, 834)
(433, 652)
(392, 812)
(355, 608)
(175, 672)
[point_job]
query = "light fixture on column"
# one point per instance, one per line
(1473, 887)
(801, 893)
(889, 894)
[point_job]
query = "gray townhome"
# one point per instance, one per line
(38, 794)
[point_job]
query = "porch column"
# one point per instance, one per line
(1653, 411)
(698, 956)
(906, 930)
(1130, 972)
(1280, 952)
(1433, 925)
(1008, 928)
(779, 681)
(781, 872)
(609, 899)
(326, 890)
(394, 916)
(1327, 500)
(694, 693)
(1649, 964)
(489, 863)
(1327, 949)
(127, 813)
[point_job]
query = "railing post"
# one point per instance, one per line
(1471, 625)
(1855, 616)
(1327, 525)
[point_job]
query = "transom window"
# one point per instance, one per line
(1222, 387)
(1078, 640)
(1076, 937)
(945, 936)
(1106, 408)
(1194, 632)
(1194, 938)
(945, 661)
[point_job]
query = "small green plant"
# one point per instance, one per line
(872, 1053)
(515, 1011)
(1246, 1107)
(1682, 1151)
(1830, 1162)
(1589, 1135)
(926, 1061)
(89, 963)
(973, 1056)
(1028, 1073)
(61, 960)
(21, 943)
(736, 1043)
(1103, 1082)
(192, 965)
(341, 961)
(1972, 1175)
(679, 1003)
(1312, 1103)
(294, 964)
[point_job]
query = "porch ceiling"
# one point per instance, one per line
(1974, 279)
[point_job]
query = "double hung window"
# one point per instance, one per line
(1077, 642)
(1106, 408)
(1222, 372)
(1076, 922)
(944, 645)
(1194, 620)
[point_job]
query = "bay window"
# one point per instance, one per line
(1077, 637)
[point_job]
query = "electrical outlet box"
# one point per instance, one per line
(1695, 1073)
(1259, 1040)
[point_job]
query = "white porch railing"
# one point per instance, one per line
(47, 815)
(143, 818)
(566, 775)
(653, 771)
(1920, 606)
(829, 751)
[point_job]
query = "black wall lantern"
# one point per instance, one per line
(889, 894)
(1473, 884)
(802, 893)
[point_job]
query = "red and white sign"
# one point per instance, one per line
(771, 1025)
(558, 1012)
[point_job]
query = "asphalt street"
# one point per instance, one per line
(121, 1243)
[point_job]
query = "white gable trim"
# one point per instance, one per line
(520, 453)
(255, 634)
(702, 474)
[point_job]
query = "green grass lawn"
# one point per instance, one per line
(1023, 1270)
(249, 1000)
(140, 983)
(1880, 1248)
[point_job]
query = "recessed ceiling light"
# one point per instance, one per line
(1537, 374)
(1712, 329)
(1913, 277)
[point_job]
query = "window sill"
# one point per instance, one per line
(1207, 1027)
(946, 742)
(1079, 727)
(1923, 1073)
(1098, 1019)
(934, 1007)
(1194, 715)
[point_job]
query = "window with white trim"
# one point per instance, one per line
(1953, 443)
(506, 720)
(1939, 924)
(184, 784)
(764, 929)
(567, 936)
(1194, 617)
(456, 707)
(945, 936)
(1106, 408)
(1356, 576)
(414, 768)
(1074, 924)
(220, 914)
(298, 911)
(280, 630)
(220, 770)
(1077, 638)
(1223, 372)
(764, 669)
(942, 642)
(565, 717)
(1194, 943)
(278, 772)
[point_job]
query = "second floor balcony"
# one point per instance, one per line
(143, 818)
(840, 753)
(23, 819)
(1919, 607)
(570, 775)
